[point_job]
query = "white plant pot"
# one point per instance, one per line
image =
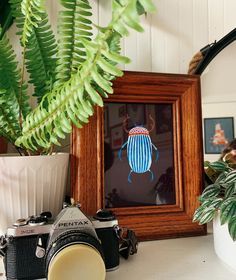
(30, 185)
(225, 247)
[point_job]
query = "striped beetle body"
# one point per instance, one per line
(139, 151)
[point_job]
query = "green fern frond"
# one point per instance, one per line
(74, 24)
(6, 16)
(147, 5)
(10, 80)
(40, 57)
(9, 116)
(73, 101)
(40, 51)
(17, 14)
(114, 42)
(128, 14)
(32, 11)
(14, 104)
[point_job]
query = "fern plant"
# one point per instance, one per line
(219, 196)
(70, 76)
(6, 16)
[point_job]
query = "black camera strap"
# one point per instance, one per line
(3, 245)
(128, 242)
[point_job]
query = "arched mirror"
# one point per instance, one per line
(216, 63)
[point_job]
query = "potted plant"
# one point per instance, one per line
(70, 76)
(218, 203)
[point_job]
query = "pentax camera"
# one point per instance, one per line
(74, 246)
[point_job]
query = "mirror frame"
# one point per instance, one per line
(87, 159)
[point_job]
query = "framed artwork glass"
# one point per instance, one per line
(136, 178)
(218, 132)
(149, 168)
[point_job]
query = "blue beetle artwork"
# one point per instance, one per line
(139, 149)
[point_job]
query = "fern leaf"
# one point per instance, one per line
(74, 24)
(147, 5)
(102, 82)
(6, 16)
(9, 121)
(40, 57)
(17, 14)
(14, 100)
(31, 10)
(82, 88)
(40, 51)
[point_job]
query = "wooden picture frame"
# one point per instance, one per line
(3, 146)
(87, 148)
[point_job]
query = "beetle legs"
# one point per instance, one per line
(120, 151)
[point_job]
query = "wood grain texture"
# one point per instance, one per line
(3, 146)
(149, 222)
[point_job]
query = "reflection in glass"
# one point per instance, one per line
(136, 178)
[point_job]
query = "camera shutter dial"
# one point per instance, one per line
(20, 222)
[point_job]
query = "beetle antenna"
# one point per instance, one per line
(152, 123)
(125, 123)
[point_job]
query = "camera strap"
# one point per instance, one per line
(128, 242)
(3, 245)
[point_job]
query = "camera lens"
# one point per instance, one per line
(75, 255)
(81, 262)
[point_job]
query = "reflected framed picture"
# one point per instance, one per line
(164, 117)
(218, 133)
(136, 113)
(116, 135)
(147, 179)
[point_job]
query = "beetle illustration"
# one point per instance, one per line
(139, 149)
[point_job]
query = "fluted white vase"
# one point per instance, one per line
(225, 247)
(30, 185)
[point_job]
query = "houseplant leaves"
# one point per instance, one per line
(72, 76)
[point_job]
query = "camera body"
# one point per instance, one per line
(33, 245)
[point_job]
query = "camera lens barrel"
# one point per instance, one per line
(68, 246)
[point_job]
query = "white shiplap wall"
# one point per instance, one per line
(172, 36)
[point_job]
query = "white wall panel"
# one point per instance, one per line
(130, 50)
(144, 48)
(216, 19)
(172, 38)
(200, 24)
(104, 12)
(229, 15)
(158, 36)
(186, 27)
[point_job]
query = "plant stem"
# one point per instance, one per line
(21, 86)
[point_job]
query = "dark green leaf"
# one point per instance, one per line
(211, 191)
(207, 215)
(231, 177)
(227, 209)
(232, 228)
(219, 166)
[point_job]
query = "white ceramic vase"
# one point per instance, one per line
(225, 247)
(30, 185)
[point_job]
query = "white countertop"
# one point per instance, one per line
(191, 258)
